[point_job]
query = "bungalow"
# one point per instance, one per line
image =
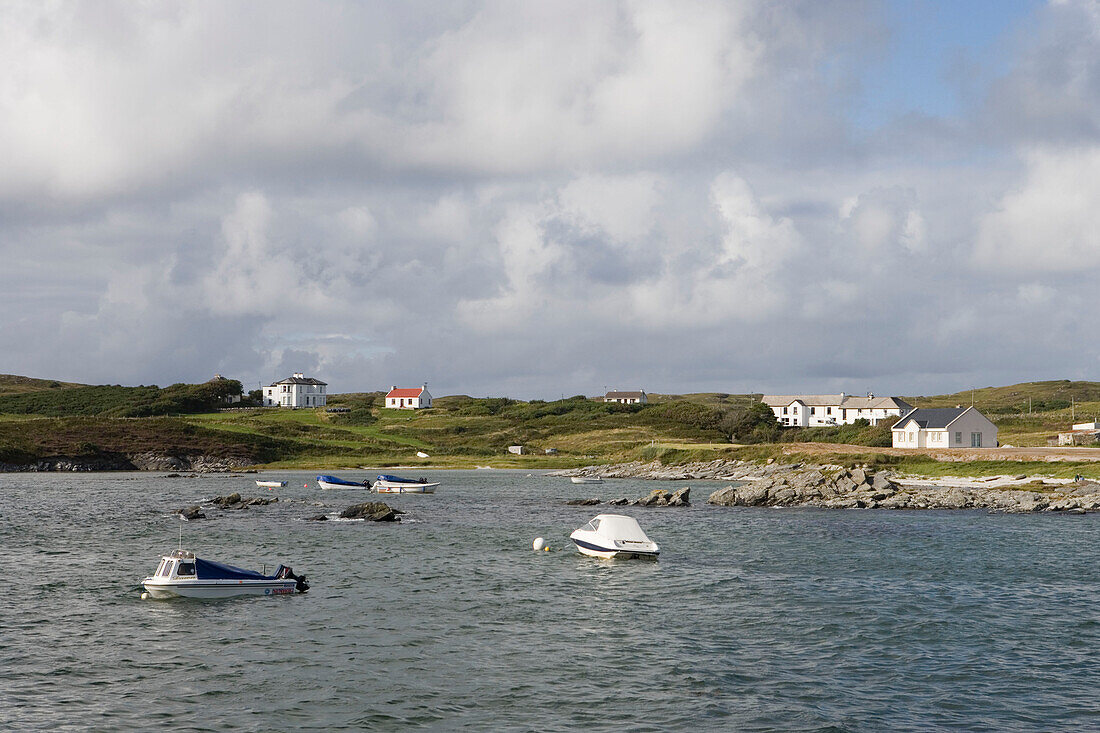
(626, 398)
(814, 410)
(296, 391)
(944, 427)
(408, 398)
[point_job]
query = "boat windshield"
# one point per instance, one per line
(593, 525)
(166, 569)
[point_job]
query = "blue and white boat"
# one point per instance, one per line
(386, 484)
(333, 482)
(614, 536)
(183, 574)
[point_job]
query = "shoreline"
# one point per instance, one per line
(835, 487)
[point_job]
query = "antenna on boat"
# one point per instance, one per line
(181, 534)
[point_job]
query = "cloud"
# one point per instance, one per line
(1051, 222)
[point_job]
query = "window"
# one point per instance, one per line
(784, 410)
(813, 410)
(186, 568)
(959, 438)
(828, 411)
(167, 569)
(912, 437)
(975, 440)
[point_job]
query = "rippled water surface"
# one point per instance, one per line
(754, 619)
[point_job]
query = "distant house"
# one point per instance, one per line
(812, 410)
(229, 399)
(296, 391)
(408, 398)
(626, 398)
(944, 427)
(1082, 433)
(516, 449)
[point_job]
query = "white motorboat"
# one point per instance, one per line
(270, 484)
(614, 536)
(386, 484)
(183, 574)
(586, 479)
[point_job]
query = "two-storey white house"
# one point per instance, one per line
(409, 398)
(626, 398)
(296, 391)
(813, 410)
(944, 427)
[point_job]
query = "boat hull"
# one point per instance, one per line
(586, 480)
(218, 588)
(612, 553)
(271, 484)
(383, 487)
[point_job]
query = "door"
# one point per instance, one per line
(975, 440)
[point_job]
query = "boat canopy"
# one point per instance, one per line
(619, 527)
(210, 570)
(337, 480)
(399, 479)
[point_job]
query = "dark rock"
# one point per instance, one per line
(680, 497)
(318, 518)
(619, 502)
(375, 511)
(226, 501)
(583, 502)
(192, 512)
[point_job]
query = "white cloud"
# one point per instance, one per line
(1052, 222)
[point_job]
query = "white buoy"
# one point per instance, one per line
(144, 595)
(538, 544)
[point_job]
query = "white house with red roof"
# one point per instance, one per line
(409, 398)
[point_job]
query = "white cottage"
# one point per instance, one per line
(814, 410)
(408, 398)
(626, 398)
(296, 391)
(944, 427)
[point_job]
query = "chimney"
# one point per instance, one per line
(300, 375)
(870, 395)
(393, 387)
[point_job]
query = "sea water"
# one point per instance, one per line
(753, 619)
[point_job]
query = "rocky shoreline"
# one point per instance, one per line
(827, 486)
(132, 462)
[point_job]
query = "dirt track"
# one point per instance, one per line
(1066, 453)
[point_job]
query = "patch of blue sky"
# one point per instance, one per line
(934, 52)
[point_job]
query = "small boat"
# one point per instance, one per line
(270, 484)
(332, 482)
(386, 484)
(183, 574)
(614, 536)
(586, 479)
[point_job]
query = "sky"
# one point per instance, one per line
(538, 199)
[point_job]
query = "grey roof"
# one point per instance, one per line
(624, 395)
(849, 402)
(932, 417)
(300, 380)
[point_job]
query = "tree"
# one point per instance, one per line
(754, 423)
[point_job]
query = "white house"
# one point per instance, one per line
(944, 427)
(296, 391)
(408, 398)
(626, 398)
(812, 410)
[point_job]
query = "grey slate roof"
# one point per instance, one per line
(932, 417)
(848, 402)
(300, 380)
(624, 395)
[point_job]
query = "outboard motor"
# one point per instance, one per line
(284, 572)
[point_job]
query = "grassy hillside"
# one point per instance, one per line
(14, 384)
(38, 419)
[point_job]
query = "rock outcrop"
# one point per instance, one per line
(372, 511)
(861, 489)
(191, 512)
(236, 501)
(657, 497)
